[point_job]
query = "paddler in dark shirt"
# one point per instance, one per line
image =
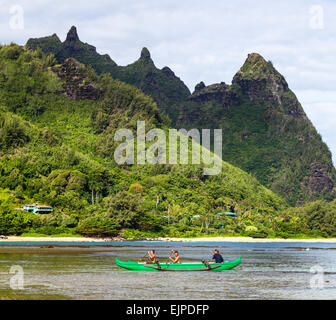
(217, 257)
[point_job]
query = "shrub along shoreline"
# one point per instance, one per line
(44, 238)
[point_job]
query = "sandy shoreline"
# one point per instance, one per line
(166, 239)
(48, 239)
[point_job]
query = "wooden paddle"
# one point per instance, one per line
(143, 257)
(169, 256)
(207, 262)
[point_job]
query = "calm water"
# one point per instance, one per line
(88, 271)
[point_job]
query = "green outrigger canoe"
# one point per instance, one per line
(204, 266)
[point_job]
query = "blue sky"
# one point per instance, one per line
(203, 40)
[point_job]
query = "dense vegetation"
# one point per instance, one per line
(57, 149)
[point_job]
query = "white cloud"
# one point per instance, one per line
(320, 107)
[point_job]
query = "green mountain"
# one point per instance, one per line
(162, 85)
(57, 123)
(267, 132)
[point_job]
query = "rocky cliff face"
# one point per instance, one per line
(258, 78)
(161, 84)
(266, 131)
(320, 181)
(77, 82)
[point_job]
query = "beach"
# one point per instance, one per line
(165, 239)
(48, 239)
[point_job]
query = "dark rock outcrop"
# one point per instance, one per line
(77, 84)
(320, 180)
(216, 92)
(199, 86)
(145, 54)
(258, 78)
(72, 35)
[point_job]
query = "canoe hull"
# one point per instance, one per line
(132, 265)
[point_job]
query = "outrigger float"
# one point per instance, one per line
(204, 266)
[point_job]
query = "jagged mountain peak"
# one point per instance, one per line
(255, 58)
(54, 35)
(72, 35)
(257, 74)
(256, 67)
(199, 86)
(255, 62)
(168, 72)
(145, 54)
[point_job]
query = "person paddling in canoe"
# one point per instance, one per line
(176, 258)
(217, 257)
(151, 257)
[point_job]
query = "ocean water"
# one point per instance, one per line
(78, 270)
